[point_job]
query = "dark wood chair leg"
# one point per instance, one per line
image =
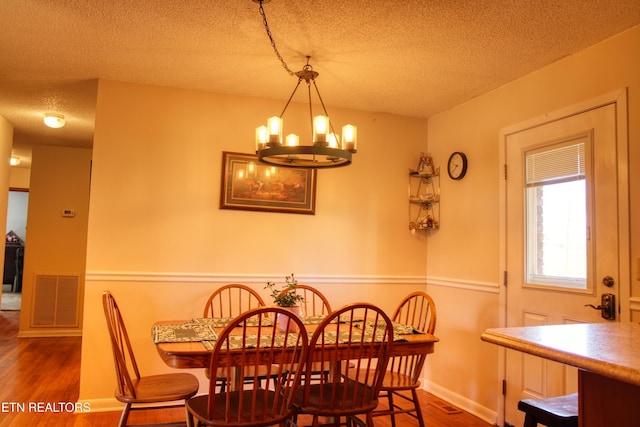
(125, 415)
(391, 408)
(416, 402)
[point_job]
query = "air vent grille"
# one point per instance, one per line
(55, 301)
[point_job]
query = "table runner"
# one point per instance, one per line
(185, 332)
(221, 322)
(330, 337)
(398, 328)
(201, 329)
(236, 341)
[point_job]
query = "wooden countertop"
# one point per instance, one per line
(608, 349)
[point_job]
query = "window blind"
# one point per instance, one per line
(555, 165)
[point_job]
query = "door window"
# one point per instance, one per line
(556, 219)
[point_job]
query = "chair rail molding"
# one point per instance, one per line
(471, 285)
(133, 276)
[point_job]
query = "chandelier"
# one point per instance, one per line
(327, 149)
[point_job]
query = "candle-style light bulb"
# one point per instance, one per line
(274, 125)
(292, 140)
(320, 129)
(350, 138)
(261, 138)
(333, 140)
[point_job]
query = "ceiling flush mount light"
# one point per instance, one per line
(326, 149)
(14, 161)
(54, 120)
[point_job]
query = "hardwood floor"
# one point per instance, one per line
(40, 378)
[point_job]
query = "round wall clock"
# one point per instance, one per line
(457, 166)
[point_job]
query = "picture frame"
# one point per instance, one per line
(247, 184)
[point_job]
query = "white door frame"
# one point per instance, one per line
(619, 98)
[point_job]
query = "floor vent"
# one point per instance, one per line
(56, 301)
(451, 410)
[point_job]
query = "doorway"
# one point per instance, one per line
(565, 226)
(15, 242)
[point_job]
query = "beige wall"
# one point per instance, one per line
(59, 180)
(464, 256)
(19, 177)
(159, 241)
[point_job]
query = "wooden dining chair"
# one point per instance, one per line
(240, 347)
(315, 303)
(132, 388)
(232, 300)
(353, 342)
(403, 372)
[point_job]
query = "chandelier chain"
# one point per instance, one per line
(273, 42)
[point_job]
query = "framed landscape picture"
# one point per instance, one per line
(248, 184)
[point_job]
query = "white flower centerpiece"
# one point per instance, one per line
(287, 298)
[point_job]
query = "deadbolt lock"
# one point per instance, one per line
(608, 281)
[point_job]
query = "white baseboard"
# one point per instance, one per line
(461, 402)
(113, 405)
(47, 333)
(103, 405)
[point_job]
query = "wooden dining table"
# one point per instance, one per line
(194, 354)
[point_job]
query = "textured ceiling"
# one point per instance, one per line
(408, 57)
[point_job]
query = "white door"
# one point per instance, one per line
(561, 239)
